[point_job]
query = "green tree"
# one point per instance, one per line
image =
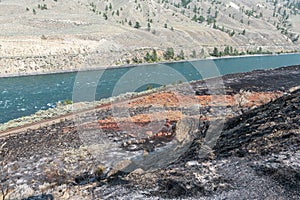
(201, 19)
(259, 50)
(169, 53)
(105, 16)
(227, 50)
(215, 52)
(34, 11)
(194, 18)
(216, 14)
(209, 10)
(195, 9)
(130, 23)
(166, 26)
(235, 52)
(44, 7)
(215, 26)
(181, 55)
(147, 57)
(193, 55)
(137, 25)
(244, 32)
(202, 53)
(154, 56)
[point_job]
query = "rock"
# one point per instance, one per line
(192, 163)
(293, 89)
(21, 192)
(45, 187)
(20, 181)
(138, 171)
(41, 197)
(122, 166)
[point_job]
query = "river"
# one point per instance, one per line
(22, 96)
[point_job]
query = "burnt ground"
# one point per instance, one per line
(257, 155)
(280, 79)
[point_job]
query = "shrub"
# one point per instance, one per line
(149, 87)
(169, 54)
(67, 102)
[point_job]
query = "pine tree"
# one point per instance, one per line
(193, 55)
(215, 52)
(137, 25)
(169, 54)
(244, 32)
(215, 26)
(147, 57)
(154, 56)
(181, 55)
(105, 16)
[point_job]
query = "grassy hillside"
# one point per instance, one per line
(123, 31)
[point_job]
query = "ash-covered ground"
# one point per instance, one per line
(245, 147)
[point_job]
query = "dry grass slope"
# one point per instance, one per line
(56, 35)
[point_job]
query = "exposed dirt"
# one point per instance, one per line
(259, 142)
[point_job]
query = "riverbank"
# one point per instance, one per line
(60, 36)
(70, 110)
(67, 111)
(80, 67)
(72, 158)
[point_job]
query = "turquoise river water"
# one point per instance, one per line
(21, 96)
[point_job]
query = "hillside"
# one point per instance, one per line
(55, 35)
(253, 153)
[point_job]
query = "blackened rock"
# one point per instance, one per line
(41, 197)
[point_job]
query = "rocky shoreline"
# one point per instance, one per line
(255, 154)
(13, 66)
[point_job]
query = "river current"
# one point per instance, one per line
(25, 95)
